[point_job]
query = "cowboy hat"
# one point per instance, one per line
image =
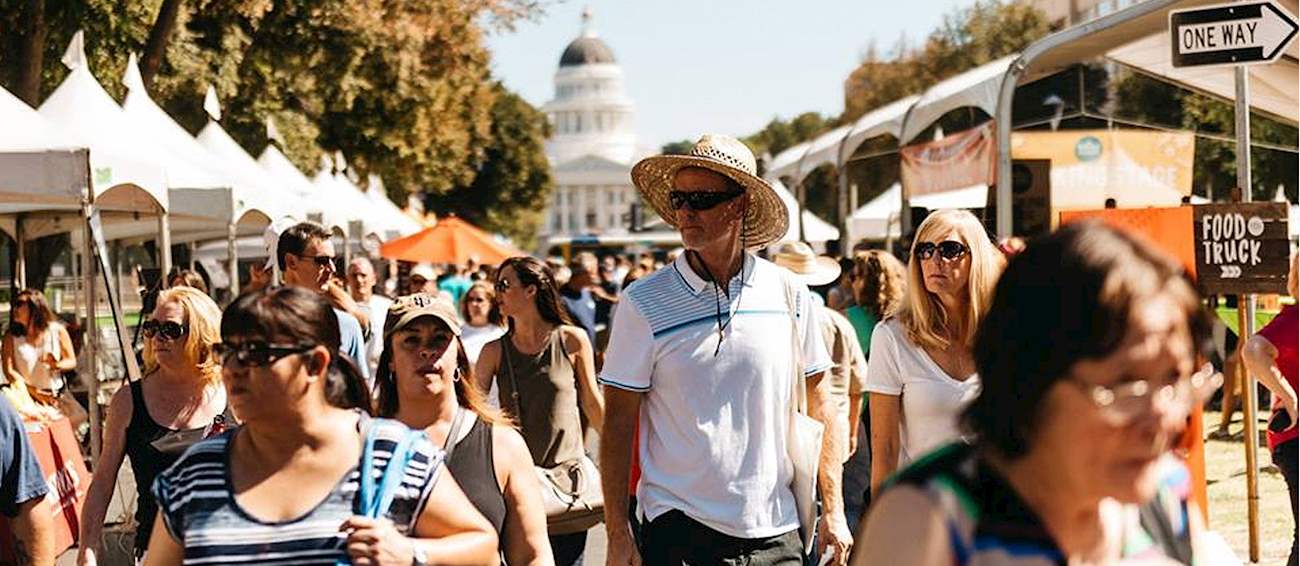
(766, 218)
(812, 269)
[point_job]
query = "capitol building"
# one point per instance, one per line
(593, 144)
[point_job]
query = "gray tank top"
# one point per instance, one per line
(540, 392)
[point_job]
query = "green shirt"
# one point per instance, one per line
(863, 323)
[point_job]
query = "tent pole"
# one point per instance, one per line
(20, 254)
(232, 258)
(1246, 303)
(89, 350)
(164, 243)
(194, 251)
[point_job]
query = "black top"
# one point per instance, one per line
(474, 468)
(144, 437)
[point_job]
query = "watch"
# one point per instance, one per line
(418, 557)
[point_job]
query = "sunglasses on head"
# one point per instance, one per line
(167, 330)
(700, 200)
(257, 354)
(947, 249)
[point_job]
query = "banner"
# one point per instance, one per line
(1137, 168)
(958, 161)
(68, 480)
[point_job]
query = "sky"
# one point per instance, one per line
(724, 66)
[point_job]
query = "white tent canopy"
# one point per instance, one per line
(38, 170)
(262, 192)
(878, 219)
(395, 222)
(350, 208)
(977, 87)
(815, 229)
(974, 196)
(887, 119)
(823, 150)
(786, 163)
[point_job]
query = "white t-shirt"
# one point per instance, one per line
(377, 311)
(474, 338)
(713, 427)
(931, 399)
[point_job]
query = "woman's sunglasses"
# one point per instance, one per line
(501, 286)
(257, 354)
(947, 249)
(168, 330)
(700, 200)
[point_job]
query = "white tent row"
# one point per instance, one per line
(815, 230)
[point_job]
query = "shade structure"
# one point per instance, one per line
(815, 230)
(878, 219)
(451, 240)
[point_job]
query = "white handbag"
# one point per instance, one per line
(803, 438)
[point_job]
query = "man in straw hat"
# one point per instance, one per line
(847, 379)
(702, 354)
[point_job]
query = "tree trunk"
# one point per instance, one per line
(32, 53)
(155, 49)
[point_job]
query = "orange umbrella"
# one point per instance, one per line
(451, 240)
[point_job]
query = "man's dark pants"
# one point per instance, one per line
(673, 539)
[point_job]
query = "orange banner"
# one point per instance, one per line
(1137, 168)
(957, 161)
(57, 451)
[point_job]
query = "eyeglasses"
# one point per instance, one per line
(1120, 405)
(321, 261)
(167, 330)
(948, 249)
(257, 354)
(700, 200)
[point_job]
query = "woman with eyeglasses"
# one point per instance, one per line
(155, 419)
(921, 370)
(545, 373)
(288, 485)
(37, 350)
(424, 380)
(1087, 358)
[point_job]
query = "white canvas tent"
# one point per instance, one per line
(878, 219)
(886, 120)
(977, 87)
(310, 201)
(394, 222)
(816, 230)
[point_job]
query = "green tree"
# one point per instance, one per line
(510, 189)
(779, 135)
(681, 147)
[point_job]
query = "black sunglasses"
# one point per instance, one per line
(320, 260)
(257, 354)
(169, 330)
(700, 200)
(501, 286)
(947, 249)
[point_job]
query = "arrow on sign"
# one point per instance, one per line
(1229, 271)
(1244, 32)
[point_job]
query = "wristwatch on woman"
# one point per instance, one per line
(418, 557)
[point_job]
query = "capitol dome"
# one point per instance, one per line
(586, 50)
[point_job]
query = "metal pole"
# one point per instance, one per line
(232, 257)
(91, 346)
(164, 243)
(20, 254)
(1246, 318)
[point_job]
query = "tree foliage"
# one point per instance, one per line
(779, 135)
(510, 189)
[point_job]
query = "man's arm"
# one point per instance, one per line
(836, 537)
(34, 533)
(622, 411)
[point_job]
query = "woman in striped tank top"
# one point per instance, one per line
(283, 488)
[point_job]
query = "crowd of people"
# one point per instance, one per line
(972, 405)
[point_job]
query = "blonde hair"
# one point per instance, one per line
(202, 320)
(884, 282)
(922, 315)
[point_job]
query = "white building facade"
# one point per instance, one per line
(593, 142)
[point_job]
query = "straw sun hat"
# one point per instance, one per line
(812, 269)
(766, 218)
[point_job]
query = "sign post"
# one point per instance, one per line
(1237, 34)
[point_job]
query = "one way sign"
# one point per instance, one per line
(1230, 34)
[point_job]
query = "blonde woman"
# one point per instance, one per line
(154, 420)
(921, 371)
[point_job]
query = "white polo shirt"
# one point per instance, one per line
(713, 428)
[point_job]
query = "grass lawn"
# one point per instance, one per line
(1225, 472)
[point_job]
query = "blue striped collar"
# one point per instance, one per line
(697, 284)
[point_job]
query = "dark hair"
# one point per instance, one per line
(1068, 297)
(295, 239)
(467, 394)
(188, 278)
(295, 315)
(38, 313)
(532, 272)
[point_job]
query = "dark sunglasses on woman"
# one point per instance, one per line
(700, 200)
(947, 249)
(257, 354)
(168, 330)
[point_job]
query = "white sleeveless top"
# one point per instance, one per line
(29, 358)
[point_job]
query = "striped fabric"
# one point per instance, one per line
(200, 511)
(989, 524)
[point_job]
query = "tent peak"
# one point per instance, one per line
(211, 105)
(75, 56)
(132, 79)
